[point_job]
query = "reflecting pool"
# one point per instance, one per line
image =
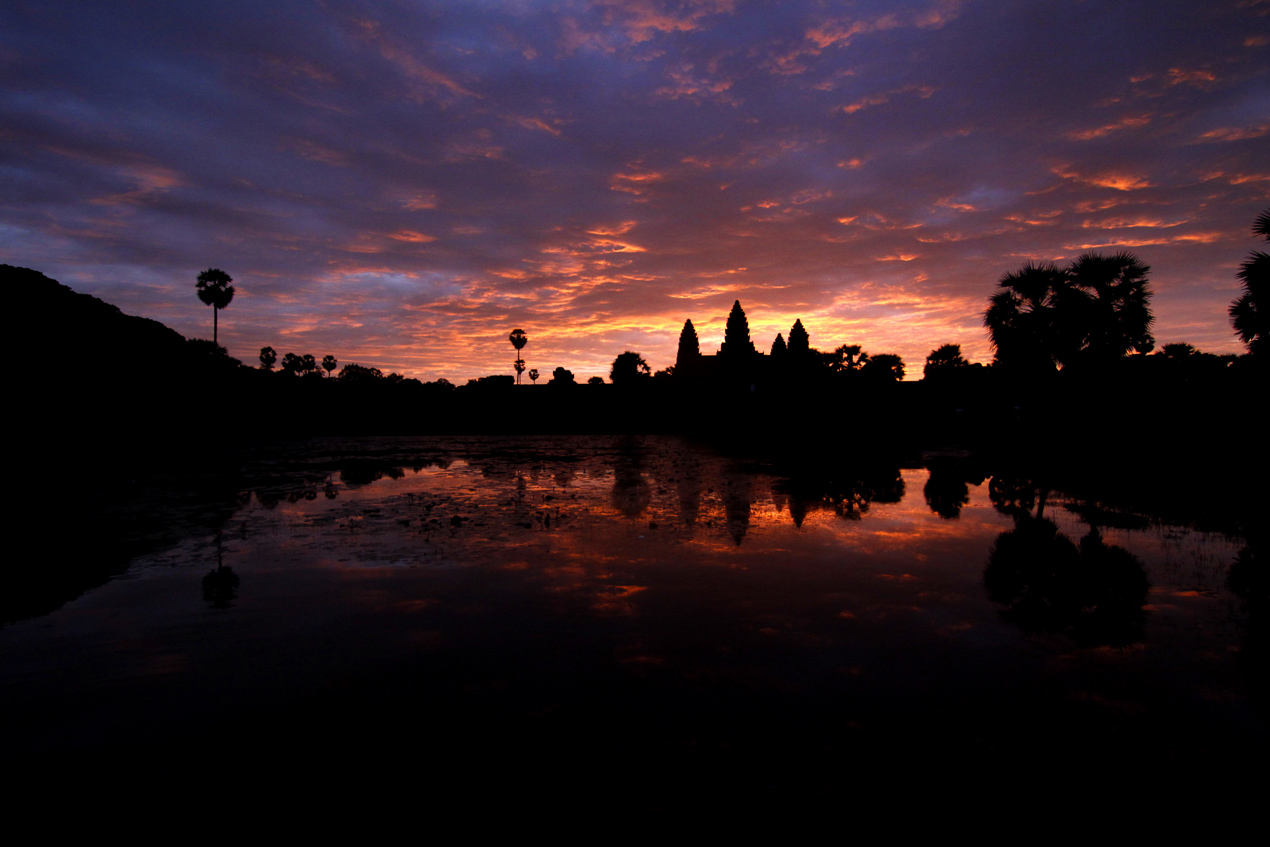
(645, 610)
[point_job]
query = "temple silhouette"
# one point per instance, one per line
(738, 361)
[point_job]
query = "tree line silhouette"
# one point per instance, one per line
(1085, 316)
(1067, 340)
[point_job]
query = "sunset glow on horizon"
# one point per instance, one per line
(402, 184)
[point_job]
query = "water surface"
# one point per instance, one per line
(641, 609)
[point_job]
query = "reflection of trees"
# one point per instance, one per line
(946, 493)
(847, 494)
(366, 471)
(850, 497)
(947, 488)
(736, 504)
(631, 492)
(1094, 592)
(221, 584)
(1016, 496)
(1249, 579)
(688, 483)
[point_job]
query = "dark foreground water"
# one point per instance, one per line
(646, 617)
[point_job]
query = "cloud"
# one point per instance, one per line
(1105, 179)
(402, 183)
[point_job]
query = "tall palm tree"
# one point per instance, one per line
(518, 340)
(1250, 314)
(1115, 315)
(214, 290)
(1022, 316)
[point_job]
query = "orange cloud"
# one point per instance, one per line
(1235, 133)
(635, 182)
(686, 84)
(1196, 238)
(150, 179)
(1129, 122)
(616, 229)
(1120, 182)
(1129, 223)
(1197, 78)
(923, 91)
(411, 236)
(644, 19)
(536, 124)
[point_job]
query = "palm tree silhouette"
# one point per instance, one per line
(1095, 310)
(1117, 313)
(943, 360)
(214, 290)
(518, 340)
(533, 376)
(848, 357)
(1249, 314)
(1021, 317)
(329, 363)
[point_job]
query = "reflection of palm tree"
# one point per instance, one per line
(219, 584)
(1249, 580)
(946, 490)
(631, 492)
(1016, 496)
(736, 505)
(1094, 591)
(214, 290)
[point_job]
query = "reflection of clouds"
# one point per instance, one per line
(610, 525)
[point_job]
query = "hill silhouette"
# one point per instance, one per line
(73, 330)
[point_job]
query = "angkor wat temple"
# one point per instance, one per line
(738, 360)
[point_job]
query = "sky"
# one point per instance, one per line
(401, 184)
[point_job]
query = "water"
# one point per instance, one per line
(627, 607)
